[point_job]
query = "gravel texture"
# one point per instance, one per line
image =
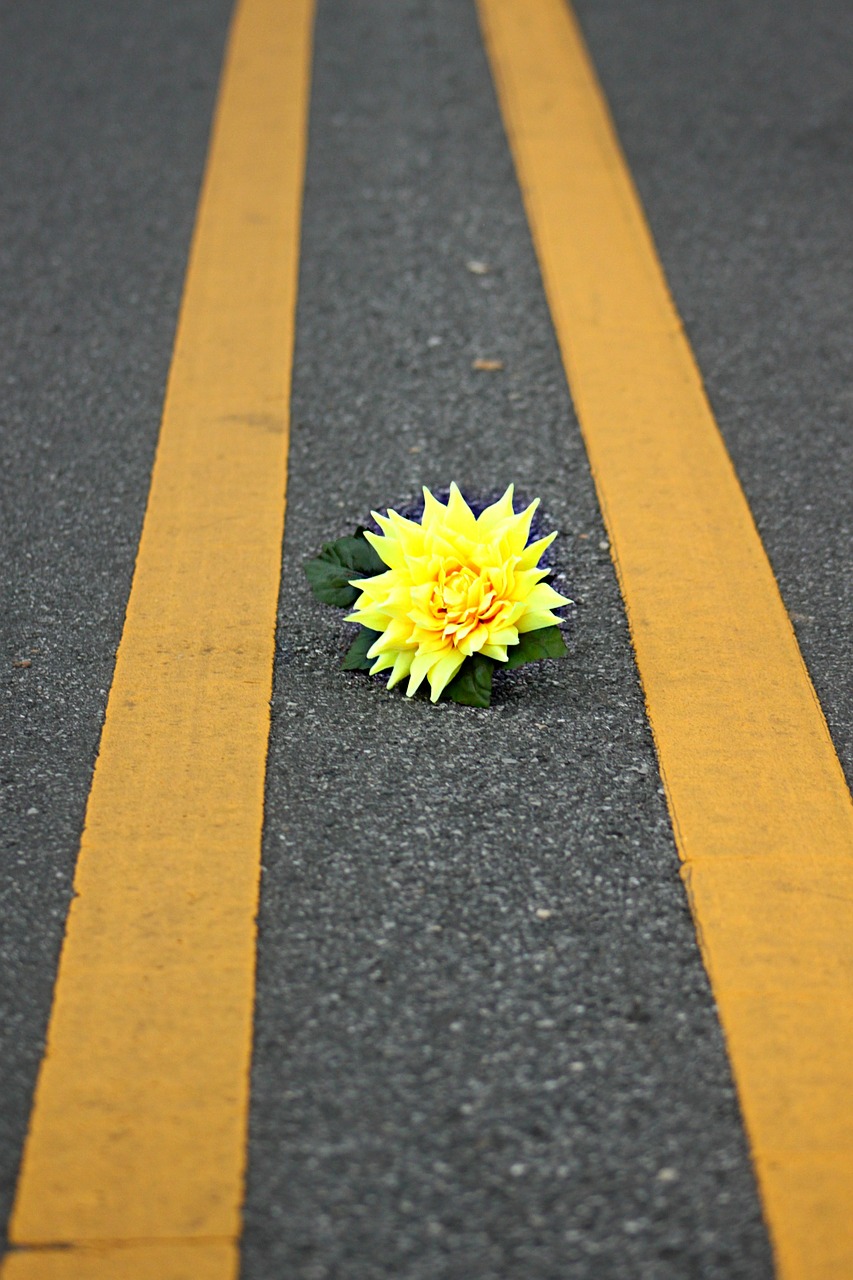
(485, 1043)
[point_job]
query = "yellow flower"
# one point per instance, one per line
(456, 585)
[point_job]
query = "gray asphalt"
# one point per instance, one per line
(445, 1085)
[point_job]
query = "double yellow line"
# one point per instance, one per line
(134, 1162)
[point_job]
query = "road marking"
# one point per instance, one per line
(761, 811)
(147, 1260)
(137, 1136)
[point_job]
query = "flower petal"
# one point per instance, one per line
(497, 513)
(442, 672)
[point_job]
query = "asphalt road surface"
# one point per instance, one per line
(485, 1042)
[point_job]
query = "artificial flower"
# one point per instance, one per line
(456, 586)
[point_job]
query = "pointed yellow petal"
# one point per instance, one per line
(388, 549)
(421, 664)
(442, 672)
(531, 555)
(382, 663)
(519, 531)
(373, 621)
(460, 517)
(497, 513)
(533, 621)
(434, 511)
(402, 667)
(544, 596)
(504, 637)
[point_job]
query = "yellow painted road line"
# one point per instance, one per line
(148, 1260)
(761, 811)
(137, 1136)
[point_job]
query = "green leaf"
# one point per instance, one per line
(330, 572)
(473, 685)
(547, 642)
(357, 659)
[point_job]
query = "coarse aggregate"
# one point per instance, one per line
(485, 1044)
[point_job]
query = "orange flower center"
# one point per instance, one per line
(461, 601)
